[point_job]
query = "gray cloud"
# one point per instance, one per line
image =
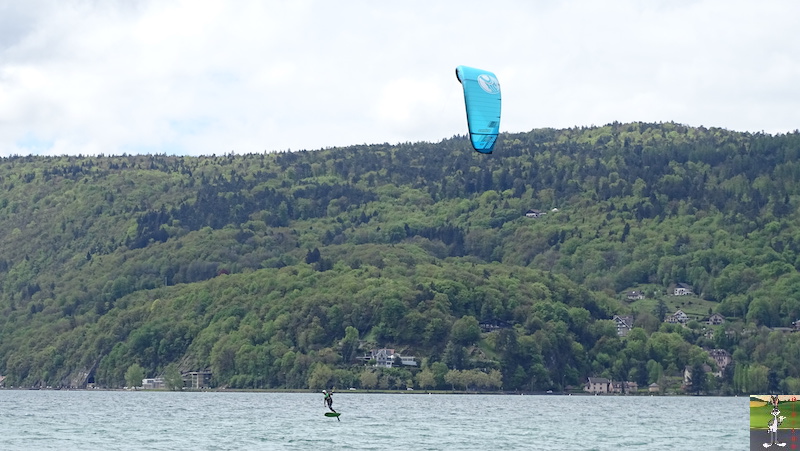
(208, 77)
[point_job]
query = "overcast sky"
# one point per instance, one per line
(206, 77)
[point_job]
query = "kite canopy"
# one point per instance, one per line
(482, 99)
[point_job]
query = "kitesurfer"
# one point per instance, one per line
(328, 399)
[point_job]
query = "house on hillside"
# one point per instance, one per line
(634, 295)
(679, 317)
(682, 290)
(624, 324)
(534, 213)
(715, 319)
(597, 385)
(723, 359)
(387, 358)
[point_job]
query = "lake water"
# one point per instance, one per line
(120, 420)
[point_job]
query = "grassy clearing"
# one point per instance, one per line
(695, 307)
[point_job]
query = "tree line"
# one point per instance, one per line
(93, 242)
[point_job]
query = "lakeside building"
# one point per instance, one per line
(387, 358)
(154, 383)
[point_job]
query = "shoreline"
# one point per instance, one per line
(371, 391)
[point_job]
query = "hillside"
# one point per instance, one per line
(278, 270)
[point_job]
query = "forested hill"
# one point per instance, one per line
(280, 270)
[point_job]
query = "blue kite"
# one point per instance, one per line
(482, 99)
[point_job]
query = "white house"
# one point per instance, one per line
(386, 357)
(679, 317)
(682, 290)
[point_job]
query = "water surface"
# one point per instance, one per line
(120, 420)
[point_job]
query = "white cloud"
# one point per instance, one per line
(206, 77)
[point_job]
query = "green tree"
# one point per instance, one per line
(134, 375)
(320, 377)
(426, 379)
(439, 370)
(435, 332)
(465, 331)
(698, 381)
(368, 379)
(758, 378)
(456, 379)
(660, 310)
(654, 371)
(349, 344)
(455, 355)
(172, 377)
